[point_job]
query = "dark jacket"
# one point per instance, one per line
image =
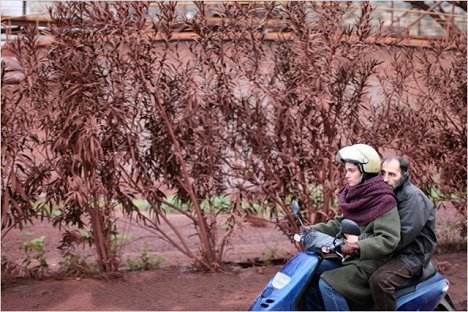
(417, 216)
(352, 279)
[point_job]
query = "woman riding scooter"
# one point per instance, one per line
(371, 203)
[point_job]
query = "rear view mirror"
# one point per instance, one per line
(296, 209)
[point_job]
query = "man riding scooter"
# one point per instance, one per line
(418, 239)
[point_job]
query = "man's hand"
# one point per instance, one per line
(349, 249)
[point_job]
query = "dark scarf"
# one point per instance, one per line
(364, 202)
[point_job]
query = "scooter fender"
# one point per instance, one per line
(426, 296)
(285, 288)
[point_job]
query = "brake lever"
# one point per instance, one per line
(346, 258)
(341, 256)
(332, 250)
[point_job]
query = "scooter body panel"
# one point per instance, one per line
(426, 295)
(286, 287)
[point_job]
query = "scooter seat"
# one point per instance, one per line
(428, 272)
(410, 286)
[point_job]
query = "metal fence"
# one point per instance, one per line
(397, 16)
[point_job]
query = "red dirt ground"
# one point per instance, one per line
(171, 287)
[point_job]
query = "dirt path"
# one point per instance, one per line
(172, 287)
(162, 289)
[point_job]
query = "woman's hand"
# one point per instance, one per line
(349, 249)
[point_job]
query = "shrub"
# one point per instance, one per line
(145, 261)
(35, 264)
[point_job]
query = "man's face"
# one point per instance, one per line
(391, 172)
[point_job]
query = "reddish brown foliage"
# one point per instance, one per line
(424, 116)
(126, 112)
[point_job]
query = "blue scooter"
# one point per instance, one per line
(286, 290)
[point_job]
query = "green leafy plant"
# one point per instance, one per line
(174, 201)
(219, 204)
(317, 194)
(216, 203)
(76, 264)
(35, 263)
(145, 261)
(255, 209)
(142, 204)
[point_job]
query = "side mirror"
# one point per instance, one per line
(296, 209)
(350, 227)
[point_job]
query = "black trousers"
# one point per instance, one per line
(385, 281)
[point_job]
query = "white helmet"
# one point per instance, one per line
(363, 155)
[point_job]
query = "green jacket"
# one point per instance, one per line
(352, 279)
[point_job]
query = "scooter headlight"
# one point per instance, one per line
(280, 280)
(446, 288)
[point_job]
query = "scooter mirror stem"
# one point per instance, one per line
(300, 221)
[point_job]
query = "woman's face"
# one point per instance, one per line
(352, 174)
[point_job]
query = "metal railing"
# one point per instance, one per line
(415, 24)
